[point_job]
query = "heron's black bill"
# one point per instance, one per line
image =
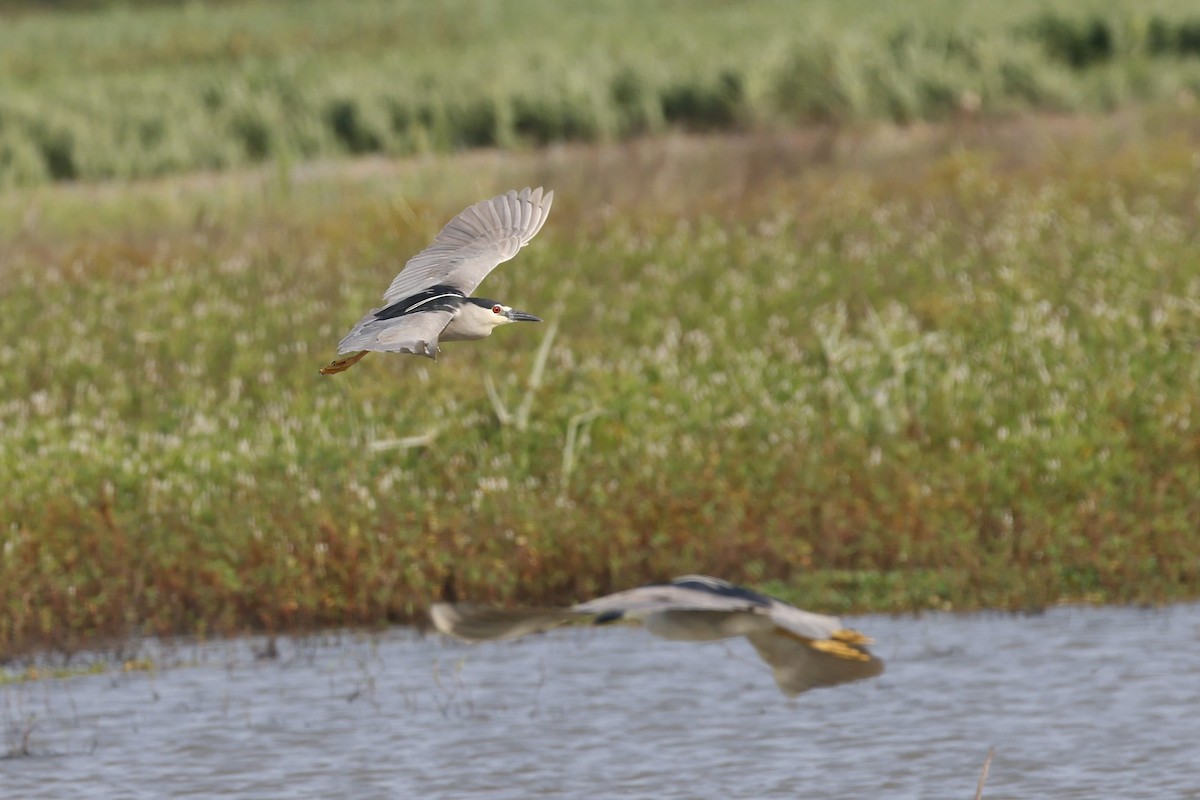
(521, 316)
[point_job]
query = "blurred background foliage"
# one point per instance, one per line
(154, 88)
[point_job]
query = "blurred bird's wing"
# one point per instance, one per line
(480, 623)
(410, 333)
(799, 664)
(474, 243)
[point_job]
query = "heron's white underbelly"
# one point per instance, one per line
(450, 334)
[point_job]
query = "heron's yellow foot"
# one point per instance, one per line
(850, 636)
(839, 649)
(343, 364)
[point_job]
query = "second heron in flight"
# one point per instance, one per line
(803, 649)
(430, 298)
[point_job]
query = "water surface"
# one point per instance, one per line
(1078, 702)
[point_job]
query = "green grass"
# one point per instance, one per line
(902, 369)
(145, 91)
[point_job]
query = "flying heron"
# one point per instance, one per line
(430, 298)
(804, 650)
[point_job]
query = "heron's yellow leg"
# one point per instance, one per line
(343, 364)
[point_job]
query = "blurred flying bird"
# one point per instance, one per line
(804, 650)
(430, 299)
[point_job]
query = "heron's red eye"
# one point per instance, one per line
(496, 309)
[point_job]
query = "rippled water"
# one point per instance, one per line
(1078, 702)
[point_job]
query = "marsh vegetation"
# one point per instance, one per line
(143, 91)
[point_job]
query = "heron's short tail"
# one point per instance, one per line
(481, 623)
(343, 364)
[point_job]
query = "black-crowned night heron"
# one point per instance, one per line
(804, 650)
(430, 299)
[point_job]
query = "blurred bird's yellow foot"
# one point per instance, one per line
(850, 637)
(343, 364)
(839, 649)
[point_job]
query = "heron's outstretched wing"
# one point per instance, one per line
(411, 333)
(799, 664)
(474, 243)
(480, 623)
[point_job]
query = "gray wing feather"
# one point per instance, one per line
(651, 599)
(412, 333)
(474, 243)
